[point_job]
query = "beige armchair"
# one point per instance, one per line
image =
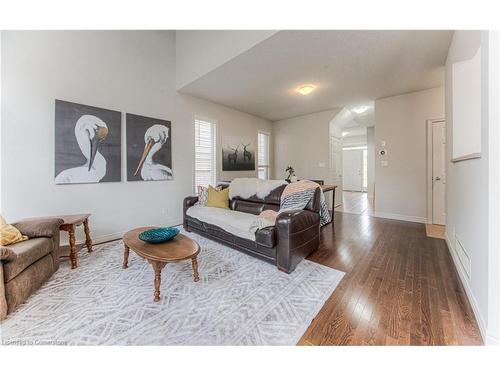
(26, 265)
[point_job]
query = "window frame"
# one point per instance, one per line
(268, 166)
(214, 122)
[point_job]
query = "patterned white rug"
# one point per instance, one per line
(239, 300)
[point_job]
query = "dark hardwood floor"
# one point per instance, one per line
(400, 287)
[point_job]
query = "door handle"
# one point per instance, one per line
(438, 179)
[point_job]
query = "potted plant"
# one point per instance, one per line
(291, 174)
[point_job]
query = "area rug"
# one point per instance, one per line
(239, 300)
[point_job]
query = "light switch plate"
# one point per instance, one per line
(382, 143)
(384, 163)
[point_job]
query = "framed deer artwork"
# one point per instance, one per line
(238, 154)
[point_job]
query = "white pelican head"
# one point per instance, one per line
(90, 131)
(154, 138)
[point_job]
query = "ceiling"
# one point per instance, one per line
(364, 119)
(350, 68)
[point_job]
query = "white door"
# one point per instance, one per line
(336, 167)
(438, 172)
(353, 170)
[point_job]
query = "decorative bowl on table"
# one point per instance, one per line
(158, 235)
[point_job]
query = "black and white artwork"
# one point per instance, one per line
(237, 154)
(87, 144)
(149, 149)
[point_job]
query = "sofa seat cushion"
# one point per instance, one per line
(266, 236)
(238, 223)
(27, 253)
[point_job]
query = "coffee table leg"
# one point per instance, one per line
(125, 257)
(157, 266)
(88, 240)
(194, 263)
(72, 246)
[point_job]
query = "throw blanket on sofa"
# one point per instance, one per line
(296, 196)
(246, 187)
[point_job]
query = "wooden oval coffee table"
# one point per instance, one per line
(158, 255)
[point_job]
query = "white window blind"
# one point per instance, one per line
(204, 152)
(263, 155)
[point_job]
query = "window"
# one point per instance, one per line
(263, 156)
(204, 152)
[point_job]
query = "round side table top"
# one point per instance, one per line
(179, 248)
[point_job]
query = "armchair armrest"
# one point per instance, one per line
(188, 202)
(43, 227)
(298, 235)
(7, 254)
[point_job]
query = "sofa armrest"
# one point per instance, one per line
(188, 202)
(43, 227)
(298, 235)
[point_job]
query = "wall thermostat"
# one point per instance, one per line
(382, 152)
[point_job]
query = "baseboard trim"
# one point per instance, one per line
(118, 235)
(470, 296)
(415, 219)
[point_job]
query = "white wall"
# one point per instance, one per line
(128, 71)
(1, 70)
(229, 122)
(335, 128)
(400, 121)
(125, 71)
(370, 143)
(467, 188)
(200, 51)
(303, 142)
(493, 328)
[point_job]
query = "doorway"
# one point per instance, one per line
(355, 165)
(436, 172)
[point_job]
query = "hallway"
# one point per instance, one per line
(354, 202)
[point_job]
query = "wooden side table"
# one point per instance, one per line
(69, 225)
(331, 188)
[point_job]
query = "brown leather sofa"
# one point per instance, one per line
(294, 237)
(26, 265)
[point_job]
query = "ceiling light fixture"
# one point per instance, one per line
(361, 109)
(305, 89)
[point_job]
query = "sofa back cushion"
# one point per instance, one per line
(9, 234)
(255, 205)
(253, 208)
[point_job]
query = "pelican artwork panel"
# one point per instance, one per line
(238, 154)
(149, 148)
(87, 144)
